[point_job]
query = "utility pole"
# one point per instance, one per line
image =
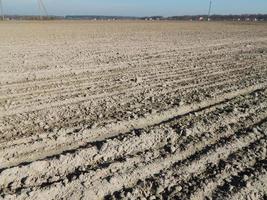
(2, 10)
(42, 9)
(210, 8)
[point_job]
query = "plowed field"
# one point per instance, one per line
(133, 110)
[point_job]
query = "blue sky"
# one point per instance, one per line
(136, 7)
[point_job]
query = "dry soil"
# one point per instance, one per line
(133, 110)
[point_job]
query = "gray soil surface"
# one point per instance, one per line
(133, 110)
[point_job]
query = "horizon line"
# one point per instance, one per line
(162, 16)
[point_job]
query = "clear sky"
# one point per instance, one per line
(135, 7)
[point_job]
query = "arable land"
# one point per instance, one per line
(133, 110)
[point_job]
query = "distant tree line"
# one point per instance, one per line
(97, 17)
(247, 17)
(259, 17)
(32, 17)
